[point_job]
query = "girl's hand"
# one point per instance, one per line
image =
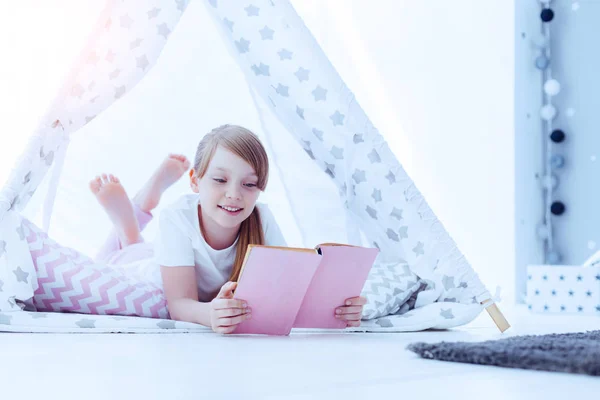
(225, 312)
(351, 311)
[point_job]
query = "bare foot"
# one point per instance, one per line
(112, 196)
(169, 172)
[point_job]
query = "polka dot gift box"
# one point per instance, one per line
(563, 289)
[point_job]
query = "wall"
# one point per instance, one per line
(576, 65)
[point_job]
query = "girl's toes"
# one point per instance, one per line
(94, 185)
(96, 182)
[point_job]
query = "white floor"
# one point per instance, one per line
(301, 366)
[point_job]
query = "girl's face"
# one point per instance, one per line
(228, 191)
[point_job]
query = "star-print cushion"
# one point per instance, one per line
(388, 288)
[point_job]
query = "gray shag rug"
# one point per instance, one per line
(577, 353)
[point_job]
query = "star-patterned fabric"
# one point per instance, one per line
(561, 289)
(434, 316)
(18, 280)
(288, 73)
(122, 48)
(299, 85)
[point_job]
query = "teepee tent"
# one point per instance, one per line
(114, 113)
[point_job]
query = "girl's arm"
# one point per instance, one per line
(222, 315)
(181, 293)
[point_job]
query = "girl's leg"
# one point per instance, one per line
(169, 172)
(112, 244)
(112, 195)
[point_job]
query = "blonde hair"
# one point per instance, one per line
(247, 146)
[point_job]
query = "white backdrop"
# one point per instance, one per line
(435, 77)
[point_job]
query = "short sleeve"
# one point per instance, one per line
(172, 246)
(273, 235)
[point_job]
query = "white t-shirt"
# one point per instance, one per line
(179, 242)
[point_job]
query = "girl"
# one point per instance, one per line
(202, 237)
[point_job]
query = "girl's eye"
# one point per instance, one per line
(219, 180)
(251, 185)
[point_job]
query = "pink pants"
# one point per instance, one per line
(112, 252)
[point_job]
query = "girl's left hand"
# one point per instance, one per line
(351, 311)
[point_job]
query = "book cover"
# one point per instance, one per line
(293, 287)
(273, 282)
(341, 274)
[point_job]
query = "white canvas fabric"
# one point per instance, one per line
(334, 176)
(433, 316)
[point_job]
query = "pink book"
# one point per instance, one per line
(290, 287)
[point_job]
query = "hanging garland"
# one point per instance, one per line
(554, 137)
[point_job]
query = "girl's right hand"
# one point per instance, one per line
(226, 313)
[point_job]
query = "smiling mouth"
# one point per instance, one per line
(231, 210)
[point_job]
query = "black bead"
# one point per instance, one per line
(557, 136)
(557, 208)
(547, 15)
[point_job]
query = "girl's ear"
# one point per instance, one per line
(194, 181)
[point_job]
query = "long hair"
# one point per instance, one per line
(247, 146)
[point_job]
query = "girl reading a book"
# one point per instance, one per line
(202, 238)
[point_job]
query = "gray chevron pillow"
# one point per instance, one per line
(387, 288)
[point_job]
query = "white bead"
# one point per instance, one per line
(552, 87)
(557, 161)
(543, 232)
(548, 112)
(553, 257)
(540, 41)
(591, 244)
(550, 182)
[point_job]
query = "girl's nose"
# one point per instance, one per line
(233, 193)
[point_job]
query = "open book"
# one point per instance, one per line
(300, 288)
